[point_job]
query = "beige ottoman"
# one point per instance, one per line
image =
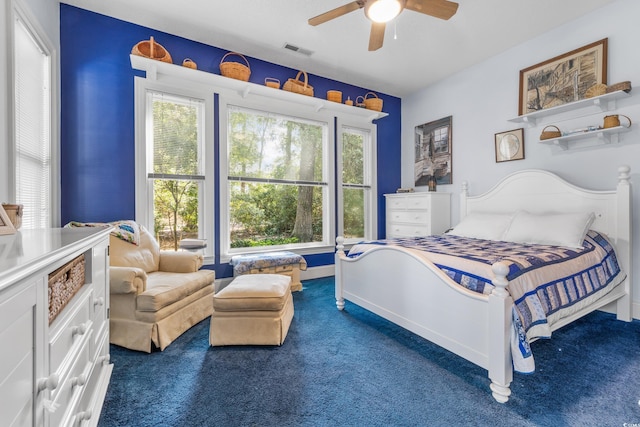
(254, 309)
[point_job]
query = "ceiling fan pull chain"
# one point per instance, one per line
(395, 29)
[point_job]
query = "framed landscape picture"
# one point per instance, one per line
(509, 145)
(563, 79)
(433, 144)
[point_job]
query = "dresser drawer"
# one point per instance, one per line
(398, 230)
(70, 333)
(413, 217)
(67, 395)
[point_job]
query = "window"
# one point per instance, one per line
(357, 212)
(278, 184)
(173, 192)
(32, 124)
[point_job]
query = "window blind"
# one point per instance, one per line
(32, 128)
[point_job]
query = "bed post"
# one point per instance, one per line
(624, 241)
(338, 278)
(500, 307)
(464, 193)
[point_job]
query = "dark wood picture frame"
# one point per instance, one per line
(433, 152)
(564, 78)
(509, 145)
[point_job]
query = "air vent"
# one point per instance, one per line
(297, 49)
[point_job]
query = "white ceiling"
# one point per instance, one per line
(426, 49)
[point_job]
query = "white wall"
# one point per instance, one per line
(482, 98)
(47, 15)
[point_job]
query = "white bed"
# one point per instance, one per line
(413, 293)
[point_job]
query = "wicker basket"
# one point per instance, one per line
(14, 212)
(360, 102)
(235, 70)
(271, 82)
(613, 121)
(625, 86)
(152, 49)
(549, 134)
(189, 63)
(298, 86)
(64, 283)
(373, 103)
(596, 90)
(334, 95)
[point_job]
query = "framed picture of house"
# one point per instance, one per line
(509, 145)
(6, 227)
(563, 79)
(433, 146)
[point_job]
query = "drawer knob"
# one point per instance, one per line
(104, 360)
(84, 415)
(98, 302)
(80, 329)
(49, 383)
(80, 380)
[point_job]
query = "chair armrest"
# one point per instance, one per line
(127, 280)
(180, 262)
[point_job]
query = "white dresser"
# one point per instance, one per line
(417, 214)
(53, 374)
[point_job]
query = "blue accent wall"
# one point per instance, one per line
(97, 117)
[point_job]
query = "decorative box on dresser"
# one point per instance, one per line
(54, 372)
(417, 214)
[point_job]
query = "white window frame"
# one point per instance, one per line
(287, 109)
(144, 164)
(20, 11)
(370, 178)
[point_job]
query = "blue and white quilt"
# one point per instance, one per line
(545, 282)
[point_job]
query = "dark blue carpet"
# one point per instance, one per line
(353, 368)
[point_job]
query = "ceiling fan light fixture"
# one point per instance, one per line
(383, 10)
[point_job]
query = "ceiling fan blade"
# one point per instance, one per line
(442, 9)
(338, 11)
(377, 35)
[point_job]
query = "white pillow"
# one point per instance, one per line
(483, 225)
(557, 229)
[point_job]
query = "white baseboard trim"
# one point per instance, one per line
(318, 272)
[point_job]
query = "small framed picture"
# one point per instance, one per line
(6, 227)
(509, 145)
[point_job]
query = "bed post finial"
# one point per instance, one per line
(340, 244)
(624, 173)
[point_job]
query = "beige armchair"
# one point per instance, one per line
(155, 295)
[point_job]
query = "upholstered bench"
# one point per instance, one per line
(282, 262)
(254, 309)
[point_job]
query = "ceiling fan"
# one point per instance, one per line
(382, 11)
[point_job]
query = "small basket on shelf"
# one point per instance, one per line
(550, 134)
(596, 90)
(271, 82)
(298, 86)
(625, 86)
(335, 96)
(360, 102)
(152, 49)
(189, 63)
(373, 102)
(235, 70)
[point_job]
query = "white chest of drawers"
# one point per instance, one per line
(53, 374)
(417, 214)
